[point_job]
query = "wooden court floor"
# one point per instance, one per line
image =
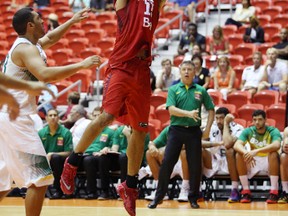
(11, 206)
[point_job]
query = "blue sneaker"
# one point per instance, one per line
(234, 196)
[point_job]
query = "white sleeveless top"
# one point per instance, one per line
(27, 102)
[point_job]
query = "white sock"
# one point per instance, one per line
(274, 182)
(156, 183)
(185, 184)
(285, 186)
(244, 181)
(235, 185)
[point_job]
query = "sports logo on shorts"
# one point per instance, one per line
(142, 124)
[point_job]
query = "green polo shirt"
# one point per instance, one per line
(188, 99)
(256, 140)
(161, 140)
(61, 141)
(121, 140)
(103, 140)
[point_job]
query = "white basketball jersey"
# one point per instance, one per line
(27, 102)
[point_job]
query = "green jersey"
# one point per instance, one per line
(256, 140)
(161, 140)
(61, 141)
(188, 98)
(103, 140)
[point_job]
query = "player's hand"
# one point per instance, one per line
(205, 134)
(91, 61)
(229, 118)
(13, 107)
(36, 88)
(80, 15)
(153, 150)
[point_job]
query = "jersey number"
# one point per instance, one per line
(148, 13)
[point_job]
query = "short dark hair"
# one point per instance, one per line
(53, 110)
(259, 112)
(197, 56)
(192, 25)
(21, 18)
(222, 110)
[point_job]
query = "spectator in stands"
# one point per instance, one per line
(196, 49)
(282, 46)
(219, 45)
(254, 33)
(77, 5)
(152, 80)
(190, 38)
(275, 73)
(92, 162)
(252, 75)
(154, 156)
(264, 143)
(78, 117)
(224, 77)
(45, 97)
(52, 22)
(202, 76)
(116, 158)
(283, 168)
(18, 4)
(188, 7)
(166, 76)
(98, 5)
(57, 141)
(242, 14)
(72, 99)
(218, 152)
(38, 4)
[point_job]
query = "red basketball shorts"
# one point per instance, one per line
(127, 93)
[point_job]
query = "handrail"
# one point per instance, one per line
(98, 78)
(77, 83)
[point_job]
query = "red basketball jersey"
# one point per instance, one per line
(136, 25)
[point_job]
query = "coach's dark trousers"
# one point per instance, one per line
(191, 138)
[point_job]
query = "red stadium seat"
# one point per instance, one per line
(156, 100)
(264, 19)
(229, 29)
(105, 43)
(242, 122)
(170, 15)
(266, 98)
(236, 60)
(178, 60)
(110, 26)
(89, 52)
(278, 113)
(239, 71)
(94, 35)
(271, 28)
(273, 11)
(281, 19)
(239, 98)
(263, 47)
(216, 97)
(235, 39)
(245, 111)
(262, 4)
(245, 49)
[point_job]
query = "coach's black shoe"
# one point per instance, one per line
(193, 201)
(194, 204)
(153, 204)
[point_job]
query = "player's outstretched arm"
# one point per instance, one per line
(56, 34)
(26, 55)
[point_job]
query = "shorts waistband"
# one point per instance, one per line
(186, 126)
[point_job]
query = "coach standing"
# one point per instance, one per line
(184, 104)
